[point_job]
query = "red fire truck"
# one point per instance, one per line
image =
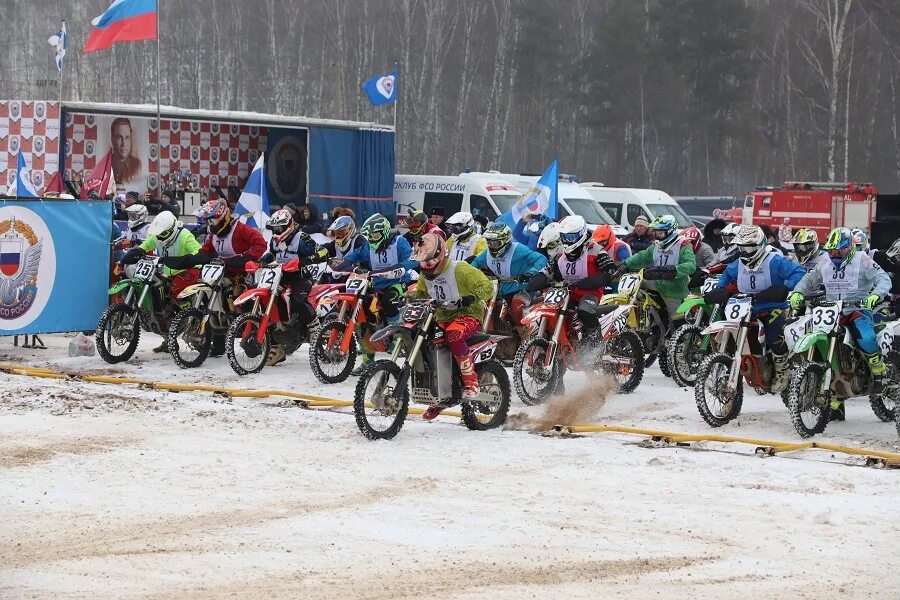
(820, 206)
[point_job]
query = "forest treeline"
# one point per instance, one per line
(692, 96)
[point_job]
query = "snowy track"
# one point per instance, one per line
(109, 491)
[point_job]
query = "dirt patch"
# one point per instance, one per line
(576, 408)
(25, 456)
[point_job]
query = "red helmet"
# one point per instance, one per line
(693, 235)
(605, 237)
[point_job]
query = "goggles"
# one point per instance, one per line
(748, 250)
(163, 236)
(839, 252)
(570, 238)
(340, 234)
(375, 236)
(457, 228)
(660, 234)
(431, 263)
(495, 244)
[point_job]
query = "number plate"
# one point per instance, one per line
(556, 296)
(413, 313)
(211, 274)
(145, 268)
(267, 278)
(709, 284)
(825, 318)
(737, 309)
(629, 284)
(796, 330)
(357, 285)
(885, 341)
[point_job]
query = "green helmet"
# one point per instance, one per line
(377, 231)
(499, 239)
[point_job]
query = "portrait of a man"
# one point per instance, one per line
(126, 165)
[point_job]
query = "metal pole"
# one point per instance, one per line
(396, 84)
(158, 112)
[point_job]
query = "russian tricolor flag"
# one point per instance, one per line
(123, 21)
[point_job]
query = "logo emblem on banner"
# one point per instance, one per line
(27, 266)
(385, 86)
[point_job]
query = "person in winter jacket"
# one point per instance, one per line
(851, 276)
(769, 277)
(307, 217)
(772, 240)
(712, 234)
(461, 291)
(234, 242)
(528, 230)
(639, 238)
(668, 264)
(464, 243)
(616, 248)
(508, 259)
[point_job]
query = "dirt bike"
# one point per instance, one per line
(647, 318)
(429, 374)
(191, 330)
(557, 343)
(119, 327)
(497, 321)
(688, 346)
(739, 354)
(833, 367)
(269, 321)
(332, 354)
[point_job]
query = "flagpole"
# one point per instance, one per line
(158, 112)
(61, 75)
(396, 83)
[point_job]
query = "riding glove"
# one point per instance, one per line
(133, 255)
(796, 300)
(871, 301)
(716, 296)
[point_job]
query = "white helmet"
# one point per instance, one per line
(728, 233)
(893, 252)
(460, 225)
(573, 234)
(137, 216)
(165, 228)
(751, 245)
(550, 241)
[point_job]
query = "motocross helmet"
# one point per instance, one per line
(893, 253)
(549, 241)
(537, 223)
(693, 235)
(377, 231)
(217, 216)
(806, 244)
(282, 225)
(137, 216)
(343, 230)
(432, 255)
(460, 225)
(840, 247)
(605, 237)
(664, 230)
(751, 245)
(165, 228)
(499, 239)
(728, 234)
(861, 239)
(416, 222)
(574, 236)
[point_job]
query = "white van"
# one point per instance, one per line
(490, 197)
(573, 199)
(627, 204)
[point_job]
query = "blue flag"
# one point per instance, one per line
(382, 89)
(254, 199)
(541, 199)
(24, 187)
(60, 41)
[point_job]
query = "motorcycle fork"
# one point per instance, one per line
(140, 301)
(554, 339)
(826, 380)
(735, 373)
(206, 313)
(490, 307)
(351, 325)
(411, 358)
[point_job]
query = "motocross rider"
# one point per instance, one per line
(138, 223)
(668, 264)
(234, 242)
(508, 259)
(768, 276)
(703, 253)
(464, 243)
(852, 276)
(727, 254)
(385, 252)
(549, 244)
(807, 251)
(176, 246)
(346, 239)
(606, 238)
(418, 224)
(462, 290)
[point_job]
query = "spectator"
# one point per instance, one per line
(120, 204)
(712, 234)
(772, 239)
(167, 203)
(639, 239)
(437, 216)
(481, 223)
(307, 216)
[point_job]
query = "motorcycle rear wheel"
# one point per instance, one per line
(805, 400)
(543, 381)
(188, 347)
(884, 405)
(626, 345)
(245, 354)
(716, 404)
(684, 354)
(379, 415)
(494, 384)
(118, 333)
(329, 364)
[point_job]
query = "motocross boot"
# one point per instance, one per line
(837, 411)
(782, 371)
(878, 368)
(276, 355)
(365, 362)
(469, 377)
(163, 347)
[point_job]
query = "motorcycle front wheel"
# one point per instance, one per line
(328, 362)
(535, 382)
(188, 347)
(490, 408)
(623, 360)
(245, 353)
(379, 414)
(809, 407)
(684, 354)
(884, 405)
(716, 402)
(118, 333)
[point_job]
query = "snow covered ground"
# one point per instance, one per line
(120, 492)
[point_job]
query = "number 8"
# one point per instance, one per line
(735, 311)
